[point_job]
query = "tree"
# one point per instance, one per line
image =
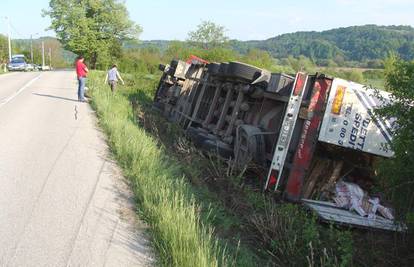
(355, 76)
(208, 35)
(4, 56)
(177, 49)
(398, 173)
(93, 28)
(259, 58)
(301, 63)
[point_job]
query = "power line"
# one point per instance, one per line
(16, 31)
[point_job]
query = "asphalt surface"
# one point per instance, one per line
(63, 202)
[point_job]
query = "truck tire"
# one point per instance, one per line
(223, 69)
(243, 71)
(173, 67)
(249, 146)
(174, 63)
(161, 67)
(213, 68)
(257, 93)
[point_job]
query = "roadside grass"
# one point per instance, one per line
(164, 197)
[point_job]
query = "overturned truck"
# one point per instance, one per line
(311, 138)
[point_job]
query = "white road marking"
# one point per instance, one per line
(10, 98)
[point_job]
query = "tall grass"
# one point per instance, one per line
(164, 197)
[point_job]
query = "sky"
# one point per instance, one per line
(243, 19)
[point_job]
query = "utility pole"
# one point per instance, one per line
(9, 37)
(43, 54)
(50, 58)
(31, 47)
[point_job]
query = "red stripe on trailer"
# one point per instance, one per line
(307, 143)
(299, 83)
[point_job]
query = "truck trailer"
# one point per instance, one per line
(311, 138)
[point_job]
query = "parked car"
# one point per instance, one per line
(45, 68)
(304, 136)
(17, 64)
(30, 67)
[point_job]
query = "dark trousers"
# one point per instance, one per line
(112, 84)
(81, 88)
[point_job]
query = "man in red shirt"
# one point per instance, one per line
(81, 72)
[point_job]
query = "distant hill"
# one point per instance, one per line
(356, 43)
(161, 44)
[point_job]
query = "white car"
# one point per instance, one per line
(30, 67)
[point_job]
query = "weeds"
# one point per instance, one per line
(292, 238)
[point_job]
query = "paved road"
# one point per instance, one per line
(62, 201)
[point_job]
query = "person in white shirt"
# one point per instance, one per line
(112, 78)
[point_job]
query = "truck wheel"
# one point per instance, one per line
(243, 71)
(223, 69)
(174, 63)
(161, 67)
(257, 92)
(249, 146)
(213, 68)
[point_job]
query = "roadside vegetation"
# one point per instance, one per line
(397, 173)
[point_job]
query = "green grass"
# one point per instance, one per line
(164, 198)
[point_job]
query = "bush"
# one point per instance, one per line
(259, 58)
(143, 60)
(182, 50)
(398, 173)
(301, 63)
(293, 238)
(355, 76)
(373, 74)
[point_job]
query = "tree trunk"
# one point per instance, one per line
(94, 58)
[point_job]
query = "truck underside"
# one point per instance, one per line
(270, 124)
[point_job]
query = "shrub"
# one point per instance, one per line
(293, 238)
(398, 173)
